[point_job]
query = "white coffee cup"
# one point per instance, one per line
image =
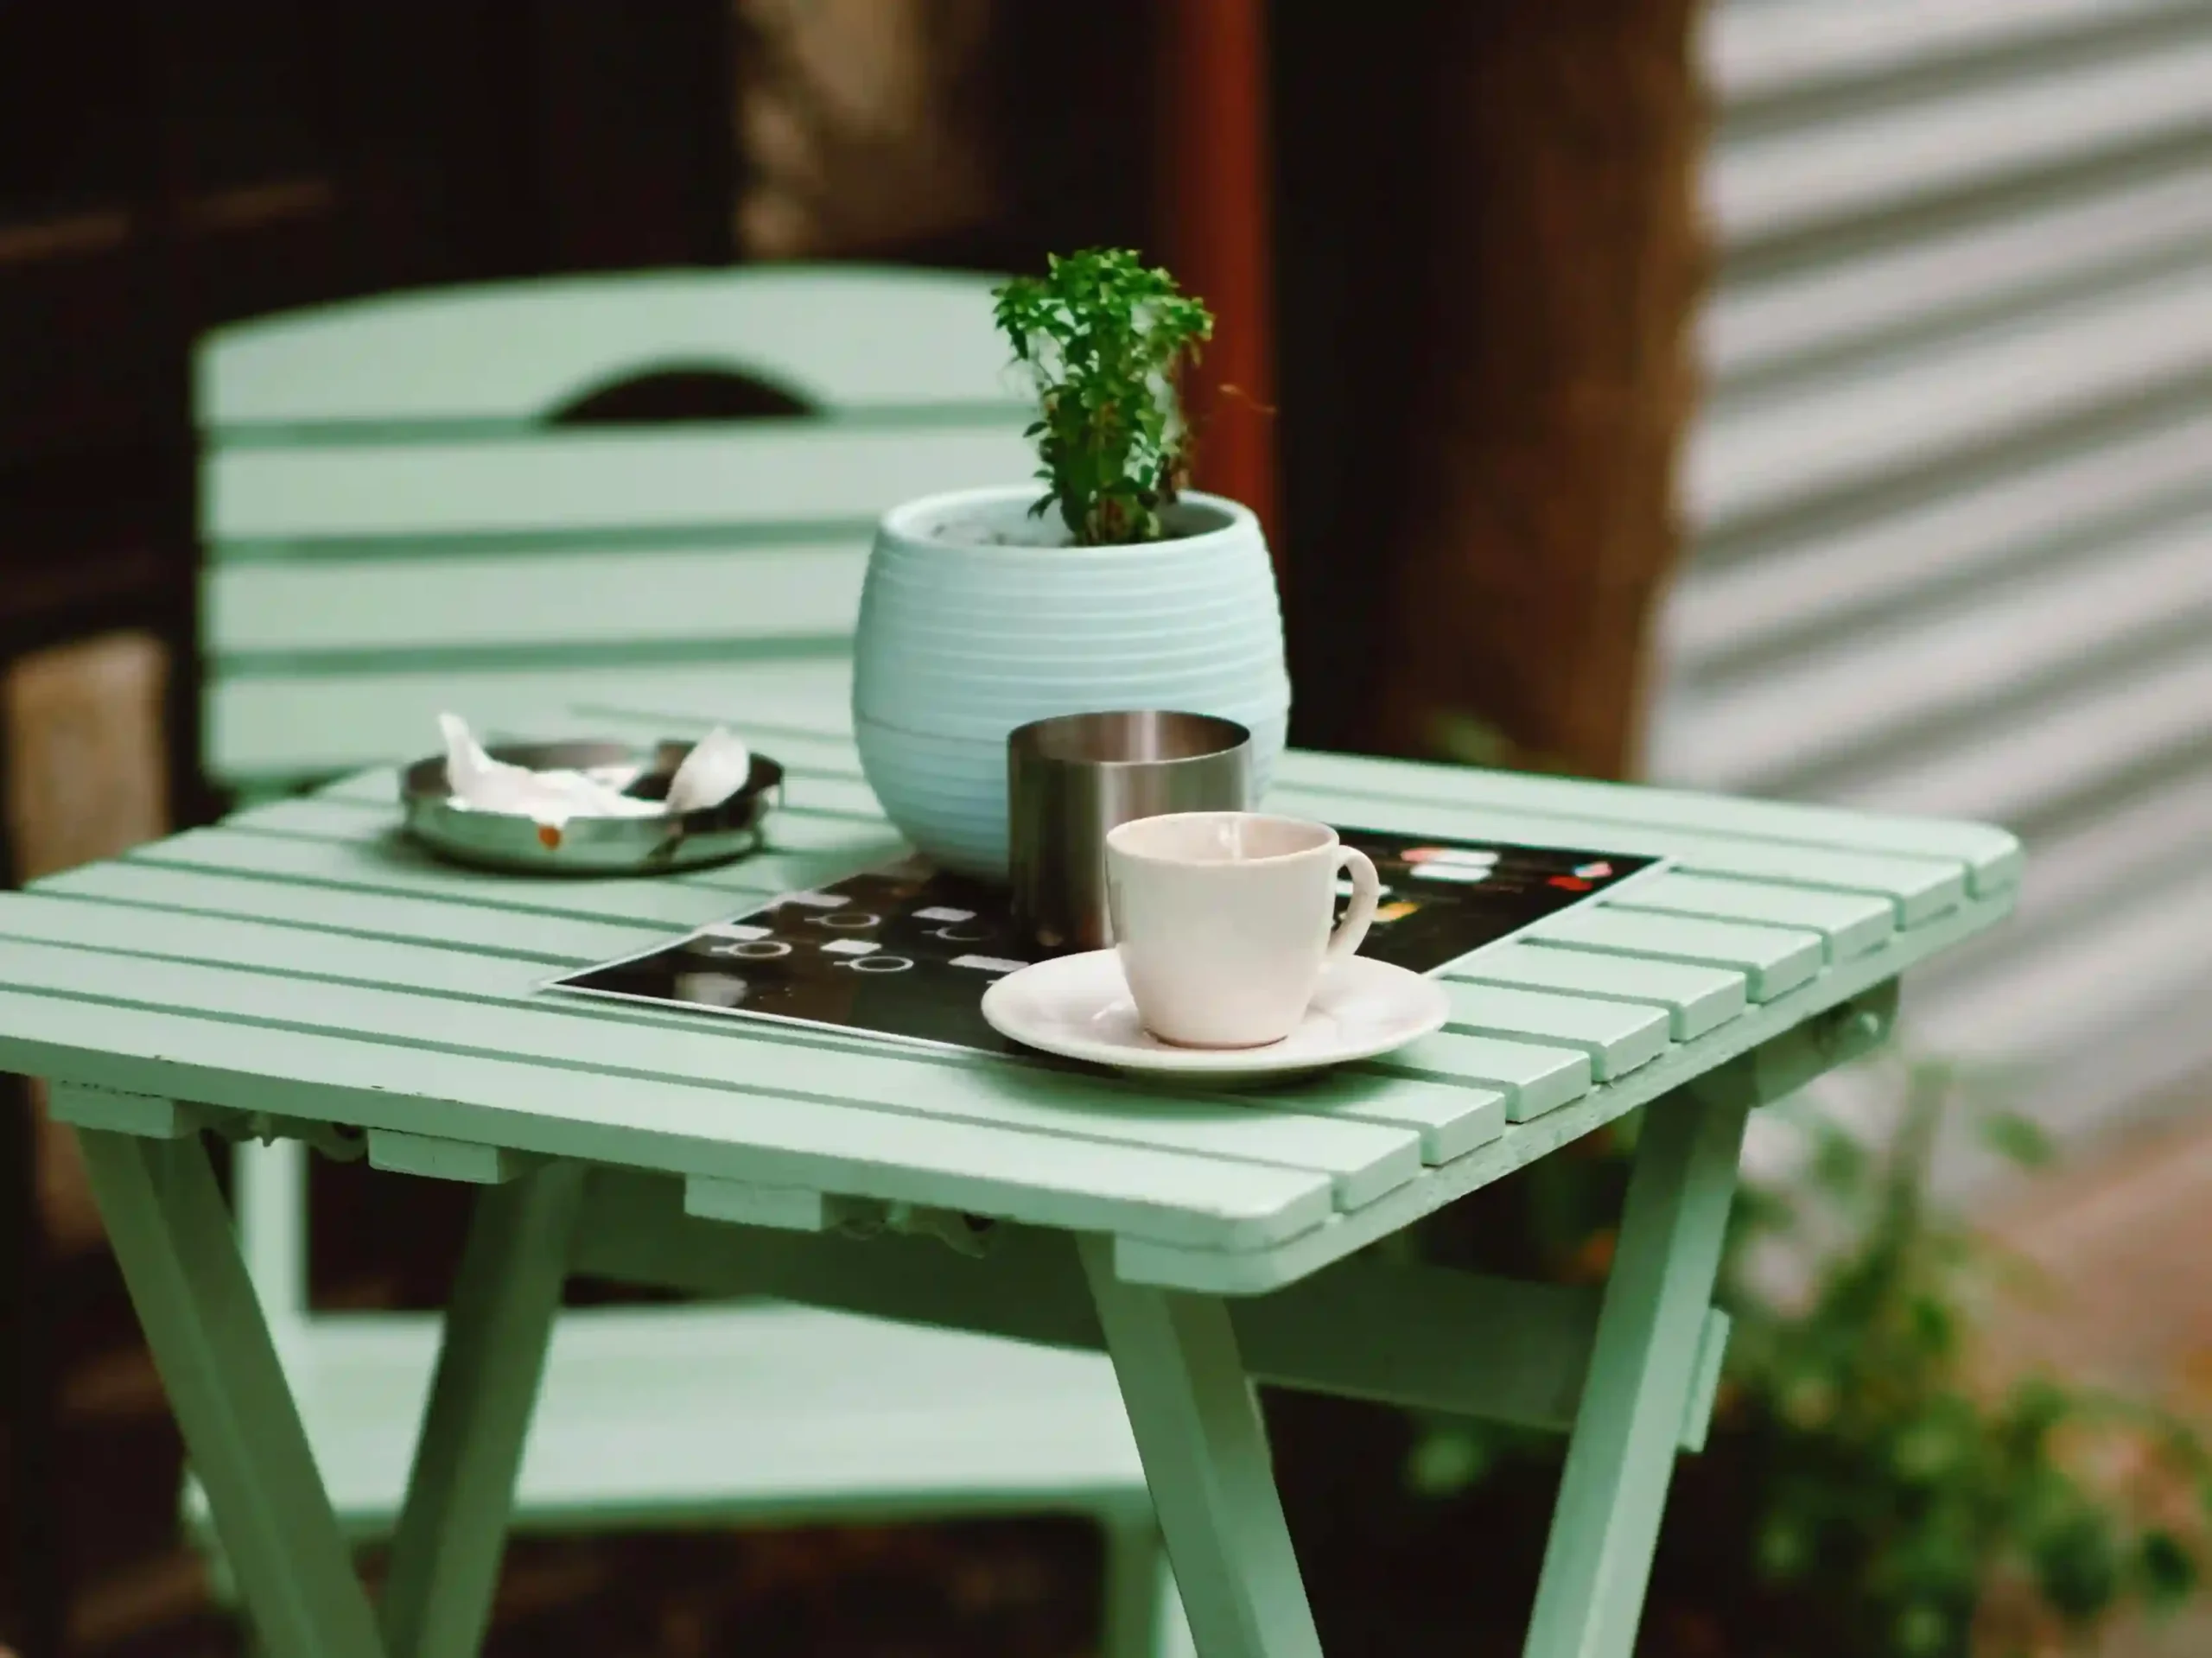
(1222, 921)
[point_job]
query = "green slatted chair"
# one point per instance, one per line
(395, 523)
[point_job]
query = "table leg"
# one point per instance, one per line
(1605, 1525)
(1206, 1458)
(173, 1239)
(445, 1559)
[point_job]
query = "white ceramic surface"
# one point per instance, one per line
(961, 641)
(1079, 1007)
(1223, 920)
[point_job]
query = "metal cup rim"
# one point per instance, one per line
(1028, 741)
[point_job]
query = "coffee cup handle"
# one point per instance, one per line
(1366, 893)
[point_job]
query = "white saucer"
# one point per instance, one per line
(1079, 1007)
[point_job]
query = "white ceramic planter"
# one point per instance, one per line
(976, 618)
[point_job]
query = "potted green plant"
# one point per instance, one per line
(1113, 587)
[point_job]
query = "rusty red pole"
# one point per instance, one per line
(1214, 221)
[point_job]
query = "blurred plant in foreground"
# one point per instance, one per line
(1870, 1489)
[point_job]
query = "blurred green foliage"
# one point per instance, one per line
(1868, 1492)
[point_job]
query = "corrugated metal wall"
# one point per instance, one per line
(1952, 492)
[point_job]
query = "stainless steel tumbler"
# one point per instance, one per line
(1071, 779)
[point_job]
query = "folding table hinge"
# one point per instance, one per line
(1784, 1063)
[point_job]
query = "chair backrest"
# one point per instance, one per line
(399, 518)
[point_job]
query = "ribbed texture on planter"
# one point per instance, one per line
(962, 638)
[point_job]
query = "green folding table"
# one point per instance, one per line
(299, 972)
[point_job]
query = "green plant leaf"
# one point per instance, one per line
(2167, 1568)
(1922, 1628)
(1785, 1549)
(2078, 1567)
(1106, 339)
(2018, 1139)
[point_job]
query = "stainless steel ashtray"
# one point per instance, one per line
(591, 846)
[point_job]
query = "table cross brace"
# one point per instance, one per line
(173, 1241)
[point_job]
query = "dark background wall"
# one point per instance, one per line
(166, 168)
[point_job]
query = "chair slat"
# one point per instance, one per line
(490, 602)
(580, 479)
(840, 337)
(281, 726)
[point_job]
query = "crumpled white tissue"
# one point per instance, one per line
(714, 770)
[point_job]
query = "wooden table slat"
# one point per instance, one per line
(1618, 1036)
(325, 817)
(800, 849)
(1850, 922)
(551, 941)
(1696, 998)
(395, 867)
(1258, 1272)
(1203, 1202)
(1992, 854)
(1067, 1113)
(1533, 1077)
(1921, 888)
(1773, 959)
(755, 1133)
(500, 956)
(1918, 887)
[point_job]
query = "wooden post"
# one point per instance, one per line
(1547, 358)
(1215, 234)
